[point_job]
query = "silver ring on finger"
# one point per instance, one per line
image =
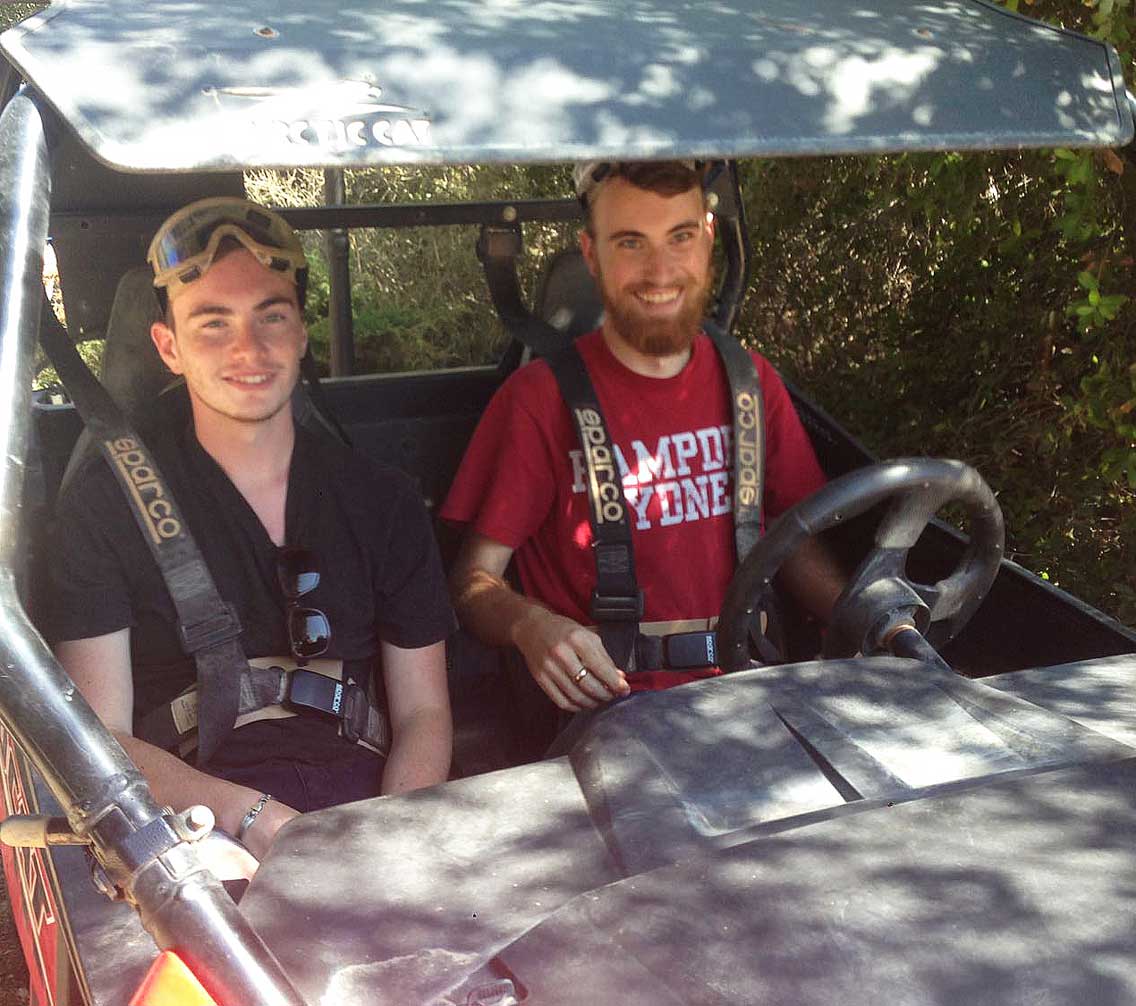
(579, 675)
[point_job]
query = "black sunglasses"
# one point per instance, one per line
(309, 631)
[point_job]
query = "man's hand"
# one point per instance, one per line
(556, 649)
(100, 668)
(814, 578)
(568, 661)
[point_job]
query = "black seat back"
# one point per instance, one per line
(567, 298)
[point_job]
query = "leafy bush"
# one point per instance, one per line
(418, 295)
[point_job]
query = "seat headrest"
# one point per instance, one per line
(132, 371)
(567, 297)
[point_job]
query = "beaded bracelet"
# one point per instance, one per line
(250, 817)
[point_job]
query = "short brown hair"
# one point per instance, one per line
(664, 178)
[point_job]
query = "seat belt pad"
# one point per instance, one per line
(617, 601)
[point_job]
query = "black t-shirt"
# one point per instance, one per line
(380, 575)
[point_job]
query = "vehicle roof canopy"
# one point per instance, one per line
(189, 85)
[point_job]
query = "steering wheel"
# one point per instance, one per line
(879, 595)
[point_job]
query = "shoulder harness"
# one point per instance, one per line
(227, 686)
(617, 601)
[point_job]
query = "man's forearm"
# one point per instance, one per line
(566, 659)
(421, 752)
(178, 785)
(490, 609)
(814, 577)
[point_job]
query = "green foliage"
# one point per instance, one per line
(11, 13)
(418, 295)
(1094, 310)
(976, 306)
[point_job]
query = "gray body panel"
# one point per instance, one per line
(1019, 891)
(420, 893)
(167, 86)
(1099, 694)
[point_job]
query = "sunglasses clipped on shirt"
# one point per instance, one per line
(309, 631)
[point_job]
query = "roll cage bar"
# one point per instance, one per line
(145, 851)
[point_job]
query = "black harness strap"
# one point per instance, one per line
(749, 437)
(208, 627)
(498, 248)
(319, 403)
(173, 725)
(617, 601)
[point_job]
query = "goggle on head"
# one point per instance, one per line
(187, 244)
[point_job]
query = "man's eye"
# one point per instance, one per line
(683, 236)
(631, 244)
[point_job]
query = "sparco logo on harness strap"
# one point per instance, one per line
(149, 493)
(749, 462)
(607, 493)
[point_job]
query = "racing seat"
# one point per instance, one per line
(501, 717)
(567, 297)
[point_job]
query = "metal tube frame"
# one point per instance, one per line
(105, 797)
(342, 362)
(360, 215)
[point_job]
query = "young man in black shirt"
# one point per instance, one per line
(264, 500)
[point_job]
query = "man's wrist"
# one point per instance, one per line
(251, 815)
(531, 614)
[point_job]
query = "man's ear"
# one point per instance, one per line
(165, 342)
(588, 249)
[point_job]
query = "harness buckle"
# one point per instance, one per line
(690, 649)
(211, 631)
(309, 692)
(617, 607)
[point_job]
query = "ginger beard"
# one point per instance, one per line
(656, 336)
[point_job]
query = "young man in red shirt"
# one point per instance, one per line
(664, 394)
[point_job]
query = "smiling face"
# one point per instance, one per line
(650, 255)
(237, 338)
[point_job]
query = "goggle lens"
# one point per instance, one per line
(184, 247)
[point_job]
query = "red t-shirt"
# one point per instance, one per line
(522, 482)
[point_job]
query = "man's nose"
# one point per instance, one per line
(247, 339)
(659, 265)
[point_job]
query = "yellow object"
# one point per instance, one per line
(170, 983)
